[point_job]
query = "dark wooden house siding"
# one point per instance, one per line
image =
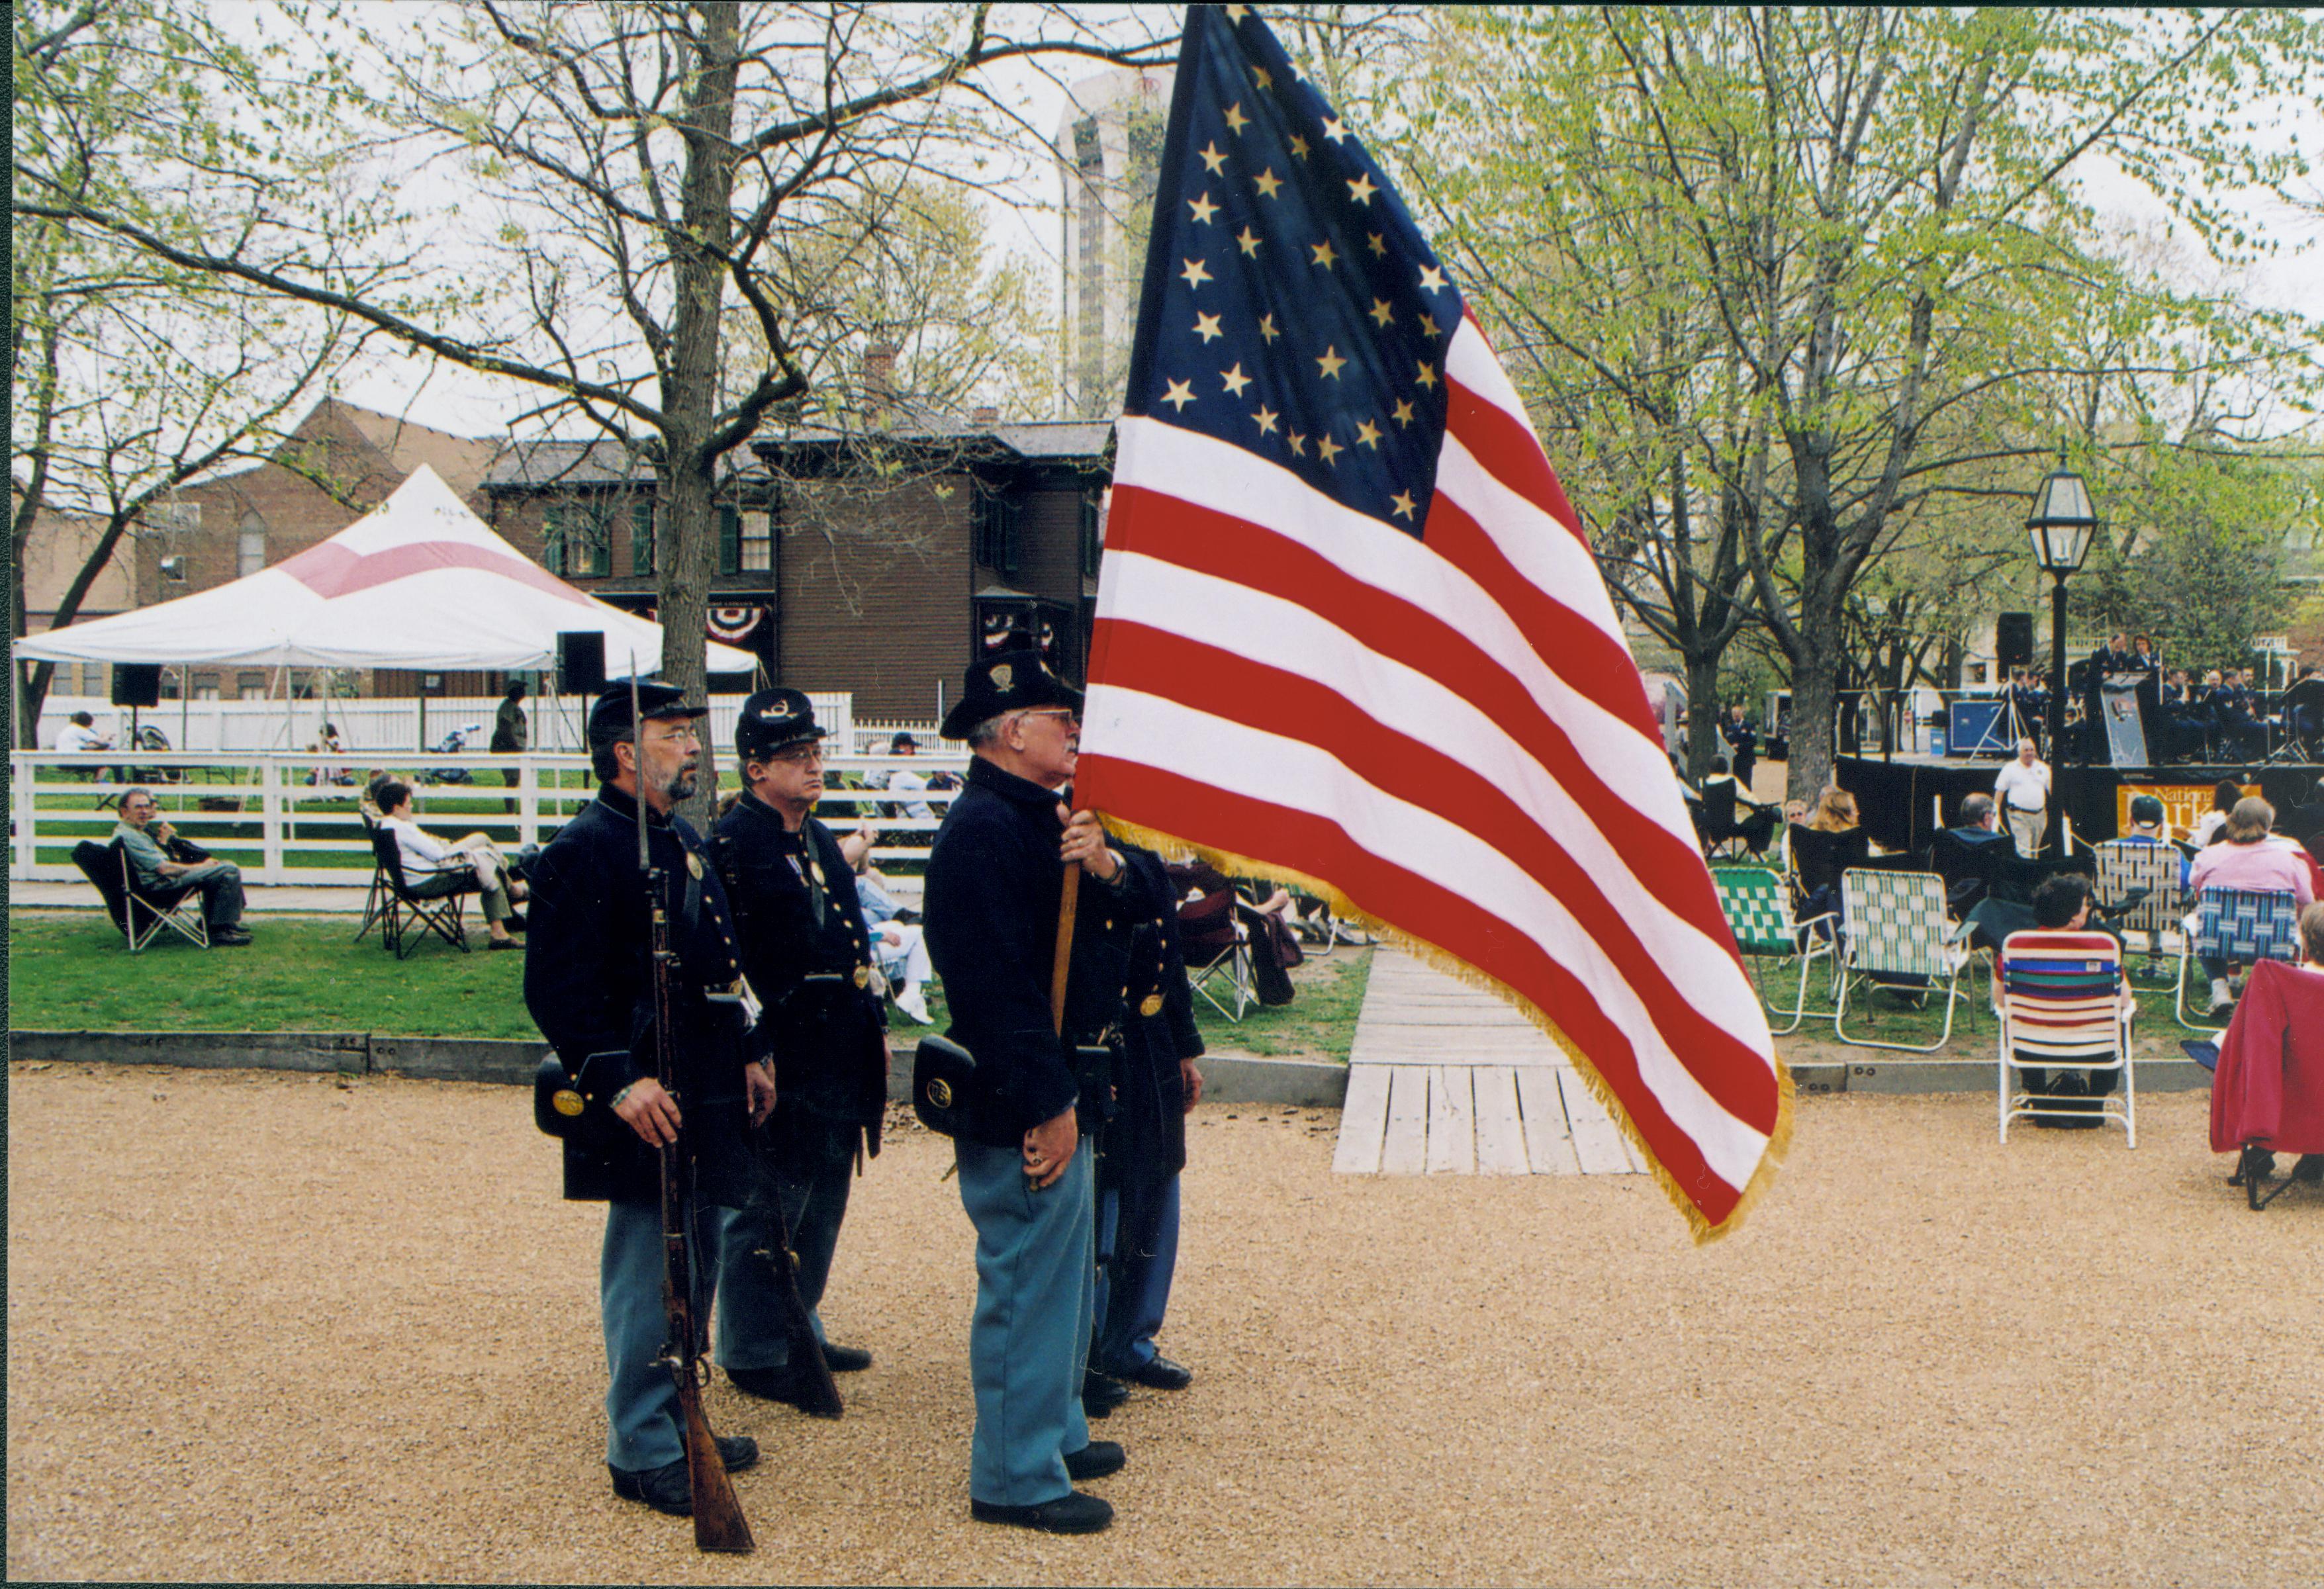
(874, 591)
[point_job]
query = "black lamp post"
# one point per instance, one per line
(2063, 522)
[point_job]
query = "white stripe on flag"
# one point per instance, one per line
(1280, 633)
(1133, 726)
(1227, 480)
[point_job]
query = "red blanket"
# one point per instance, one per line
(2270, 1087)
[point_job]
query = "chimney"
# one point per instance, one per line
(879, 374)
(985, 414)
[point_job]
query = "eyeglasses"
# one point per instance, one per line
(799, 755)
(1064, 714)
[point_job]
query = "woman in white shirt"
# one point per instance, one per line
(433, 868)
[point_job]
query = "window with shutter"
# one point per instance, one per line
(730, 541)
(552, 539)
(642, 537)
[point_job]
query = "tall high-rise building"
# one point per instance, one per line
(1108, 151)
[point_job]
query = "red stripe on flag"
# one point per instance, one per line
(1233, 549)
(1586, 656)
(1510, 451)
(1289, 706)
(1201, 813)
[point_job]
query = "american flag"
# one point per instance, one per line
(1349, 635)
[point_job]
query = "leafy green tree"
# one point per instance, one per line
(130, 375)
(1864, 221)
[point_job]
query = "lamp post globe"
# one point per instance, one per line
(2063, 522)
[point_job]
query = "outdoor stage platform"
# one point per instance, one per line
(1900, 800)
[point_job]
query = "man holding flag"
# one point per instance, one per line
(1349, 634)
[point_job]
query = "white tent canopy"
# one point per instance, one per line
(419, 582)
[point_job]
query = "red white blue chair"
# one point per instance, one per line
(2059, 999)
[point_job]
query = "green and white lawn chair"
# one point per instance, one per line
(1757, 905)
(1895, 936)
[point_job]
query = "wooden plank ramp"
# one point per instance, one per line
(1446, 1080)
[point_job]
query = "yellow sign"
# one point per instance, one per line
(2183, 804)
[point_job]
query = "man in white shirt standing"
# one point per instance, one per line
(2023, 791)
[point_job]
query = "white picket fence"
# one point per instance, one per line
(264, 814)
(376, 726)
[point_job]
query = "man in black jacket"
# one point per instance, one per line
(589, 985)
(809, 956)
(1146, 1149)
(995, 880)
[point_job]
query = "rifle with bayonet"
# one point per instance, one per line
(718, 1522)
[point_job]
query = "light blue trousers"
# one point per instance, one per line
(1029, 1343)
(641, 1401)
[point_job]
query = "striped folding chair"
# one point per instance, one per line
(2058, 997)
(2125, 866)
(1758, 909)
(2246, 925)
(1896, 936)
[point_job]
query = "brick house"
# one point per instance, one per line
(875, 563)
(234, 524)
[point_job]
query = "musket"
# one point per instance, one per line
(718, 1522)
(818, 1390)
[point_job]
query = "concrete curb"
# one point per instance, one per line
(1226, 1080)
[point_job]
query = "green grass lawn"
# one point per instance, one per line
(69, 971)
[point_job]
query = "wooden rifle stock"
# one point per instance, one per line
(718, 1522)
(819, 1392)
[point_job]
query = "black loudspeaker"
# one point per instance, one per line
(580, 662)
(137, 683)
(2013, 640)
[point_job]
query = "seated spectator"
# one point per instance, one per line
(78, 737)
(2062, 904)
(162, 861)
(1821, 864)
(433, 868)
(2206, 827)
(2148, 825)
(1753, 822)
(903, 780)
(2272, 1048)
(326, 743)
(2246, 860)
(1274, 950)
(896, 947)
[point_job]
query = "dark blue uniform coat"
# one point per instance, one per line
(994, 883)
(589, 983)
(827, 1038)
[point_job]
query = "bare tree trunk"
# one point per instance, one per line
(1702, 714)
(690, 377)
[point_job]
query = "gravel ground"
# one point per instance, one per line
(288, 1328)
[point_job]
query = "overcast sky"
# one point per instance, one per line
(1025, 219)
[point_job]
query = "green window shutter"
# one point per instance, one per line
(642, 537)
(729, 540)
(552, 540)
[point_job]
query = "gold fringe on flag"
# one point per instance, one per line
(1779, 1142)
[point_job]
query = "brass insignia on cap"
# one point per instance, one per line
(940, 1093)
(1151, 1005)
(566, 1102)
(1002, 674)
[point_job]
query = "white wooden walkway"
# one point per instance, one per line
(1444, 1078)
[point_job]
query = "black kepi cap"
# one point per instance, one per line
(1009, 681)
(609, 717)
(773, 720)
